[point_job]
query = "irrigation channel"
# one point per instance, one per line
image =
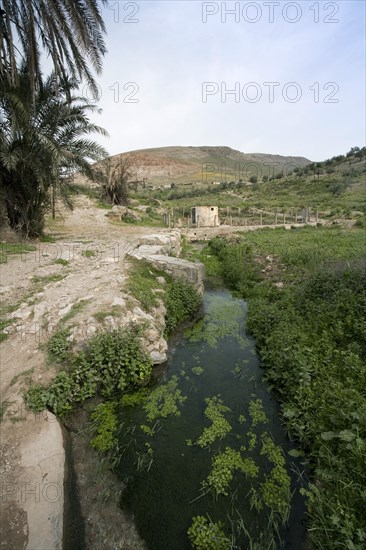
(211, 402)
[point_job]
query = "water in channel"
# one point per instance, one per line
(163, 463)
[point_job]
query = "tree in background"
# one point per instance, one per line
(115, 176)
(41, 138)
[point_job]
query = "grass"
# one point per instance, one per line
(3, 324)
(47, 239)
(61, 261)
(6, 309)
(142, 283)
(115, 311)
(46, 279)
(146, 221)
(336, 194)
(103, 205)
(74, 311)
(89, 253)
(308, 246)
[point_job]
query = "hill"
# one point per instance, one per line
(336, 187)
(205, 164)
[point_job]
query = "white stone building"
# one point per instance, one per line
(205, 216)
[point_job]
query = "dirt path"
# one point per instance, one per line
(37, 292)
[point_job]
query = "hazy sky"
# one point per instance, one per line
(296, 71)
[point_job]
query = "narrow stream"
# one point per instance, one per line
(164, 469)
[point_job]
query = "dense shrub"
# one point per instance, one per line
(113, 362)
(182, 301)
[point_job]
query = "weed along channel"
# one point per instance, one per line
(202, 453)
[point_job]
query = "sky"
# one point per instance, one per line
(273, 77)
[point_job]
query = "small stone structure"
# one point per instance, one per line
(205, 216)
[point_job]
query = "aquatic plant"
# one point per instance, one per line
(220, 427)
(223, 467)
(197, 370)
(164, 400)
(105, 425)
(206, 535)
(256, 412)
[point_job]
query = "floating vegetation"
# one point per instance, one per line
(257, 413)
(135, 398)
(219, 456)
(222, 320)
(223, 467)
(164, 400)
(220, 427)
(206, 535)
(240, 369)
(274, 492)
(197, 370)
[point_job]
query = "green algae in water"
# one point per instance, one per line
(221, 320)
(233, 480)
(164, 401)
(219, 427)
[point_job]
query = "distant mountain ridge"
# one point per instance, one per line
(188, 164)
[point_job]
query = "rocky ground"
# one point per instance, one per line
(38, 292)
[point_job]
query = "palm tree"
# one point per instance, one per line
(69, 31)
(41, 137)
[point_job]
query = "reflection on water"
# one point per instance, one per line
(207, 441)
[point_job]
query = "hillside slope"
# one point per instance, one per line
(180, 164)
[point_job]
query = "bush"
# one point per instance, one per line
(182, 301)
(113, 362)
(58, 346)
(119, 361)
